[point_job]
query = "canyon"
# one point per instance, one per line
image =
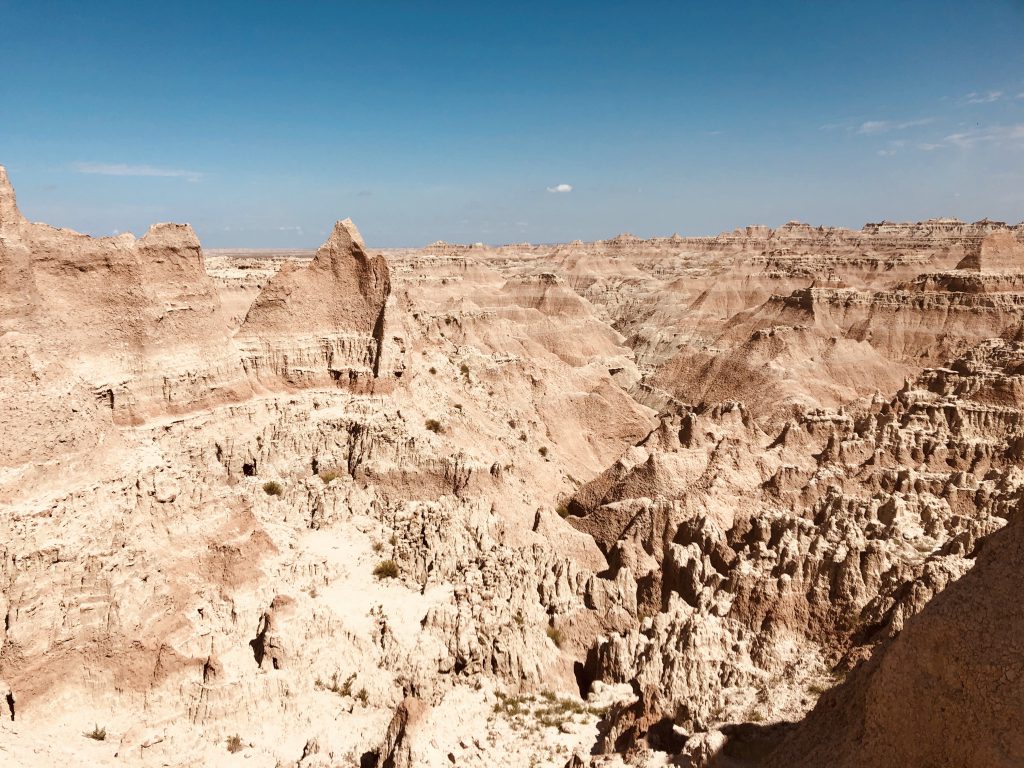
(734, 501)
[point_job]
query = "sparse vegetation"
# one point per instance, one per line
(464, 370)
(235, 743)
(342, 689)
(386, 569)
(97, 733)
(327, 475)
(363, 696)
(543, 451)
(555, 636)
(562, 510)
(817, 688)
(273, 488)
(433, 425)
(522, 436)
(433, 370)
(378, 546)
(546, 711)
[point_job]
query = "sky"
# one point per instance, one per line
(261, 123)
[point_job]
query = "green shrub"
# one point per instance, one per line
(97, 733)
(386, 569)
(562, 510)
(433, 425)
(273, 488)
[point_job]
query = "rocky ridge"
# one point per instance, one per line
(714, 501)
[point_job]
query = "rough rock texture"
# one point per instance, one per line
(949, 690)
(137, 320)
(743, 500)
(321, 322)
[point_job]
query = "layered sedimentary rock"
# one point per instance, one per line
(699, 501)
(321, 322)
(138, 320)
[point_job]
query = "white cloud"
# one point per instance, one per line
(297, 230)
(886, 152)
(560, 188)
(995, 135)
(884, 126)
(875, 126)
(122, 169)
(984, 98)
(1002, 136)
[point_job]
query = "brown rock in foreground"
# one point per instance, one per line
(948, 691)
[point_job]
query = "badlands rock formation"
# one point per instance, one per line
(750, 500)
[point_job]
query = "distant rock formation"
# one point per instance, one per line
(997, 252)
(321, 322)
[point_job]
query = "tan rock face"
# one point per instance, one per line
(337, 301)
(139, 321)
(633, 500)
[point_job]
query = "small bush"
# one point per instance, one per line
(327, 475)
(235, 743)
(522, 436)
(363, 696)
(458, 407)
(342, 689)
(433, 370)
(555, 635)
(433, 425)
(386, 569)
(378, 546)
(97, 733)
(543, 451)
(562, 510)
(273, 488)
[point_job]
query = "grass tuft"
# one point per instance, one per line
(273, 488)
(97, 733)
(386, 569)
(327, 475)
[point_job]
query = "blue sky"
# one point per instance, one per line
(262, 122)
